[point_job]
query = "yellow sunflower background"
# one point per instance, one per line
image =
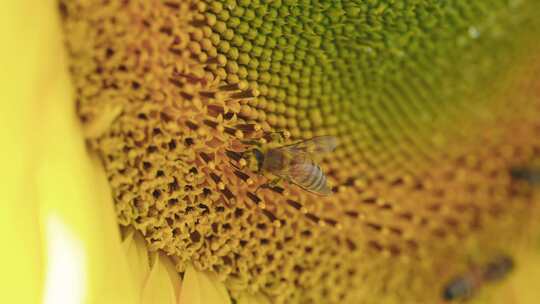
(126, 112)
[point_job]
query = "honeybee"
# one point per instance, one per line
(463, 287)
(530, 175)
(293, 163)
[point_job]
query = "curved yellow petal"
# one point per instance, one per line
(174, 276)
(71, 188)
(155, 276)
(137, 257)
(159, 287)
(201, 288)
(65, 279)
(59, 221)
(24, 30)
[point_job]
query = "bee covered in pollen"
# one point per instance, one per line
(463, 287)
(293, 163)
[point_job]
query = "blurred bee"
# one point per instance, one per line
(463, 287)
(530, 175)
(498, 268)
(293, 163)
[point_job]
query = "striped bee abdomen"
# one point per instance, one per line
(310, 177)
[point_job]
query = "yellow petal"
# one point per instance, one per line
(258, 298)
(65, 278)
(59, 221)
(174, 276)
(158, 287)
(201, 288)
(157, 283)
(70, 189)
(137, 256)
(25, 29)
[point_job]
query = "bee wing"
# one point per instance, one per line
(315, 145)
(308, 176)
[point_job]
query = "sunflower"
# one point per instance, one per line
(434, 104)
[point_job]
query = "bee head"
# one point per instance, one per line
(458, 288)
(254, 160)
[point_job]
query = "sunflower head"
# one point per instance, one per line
(417, 93)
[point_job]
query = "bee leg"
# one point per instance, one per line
(269, 184)
(275, 181)
(251, 142)
(235, 166)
